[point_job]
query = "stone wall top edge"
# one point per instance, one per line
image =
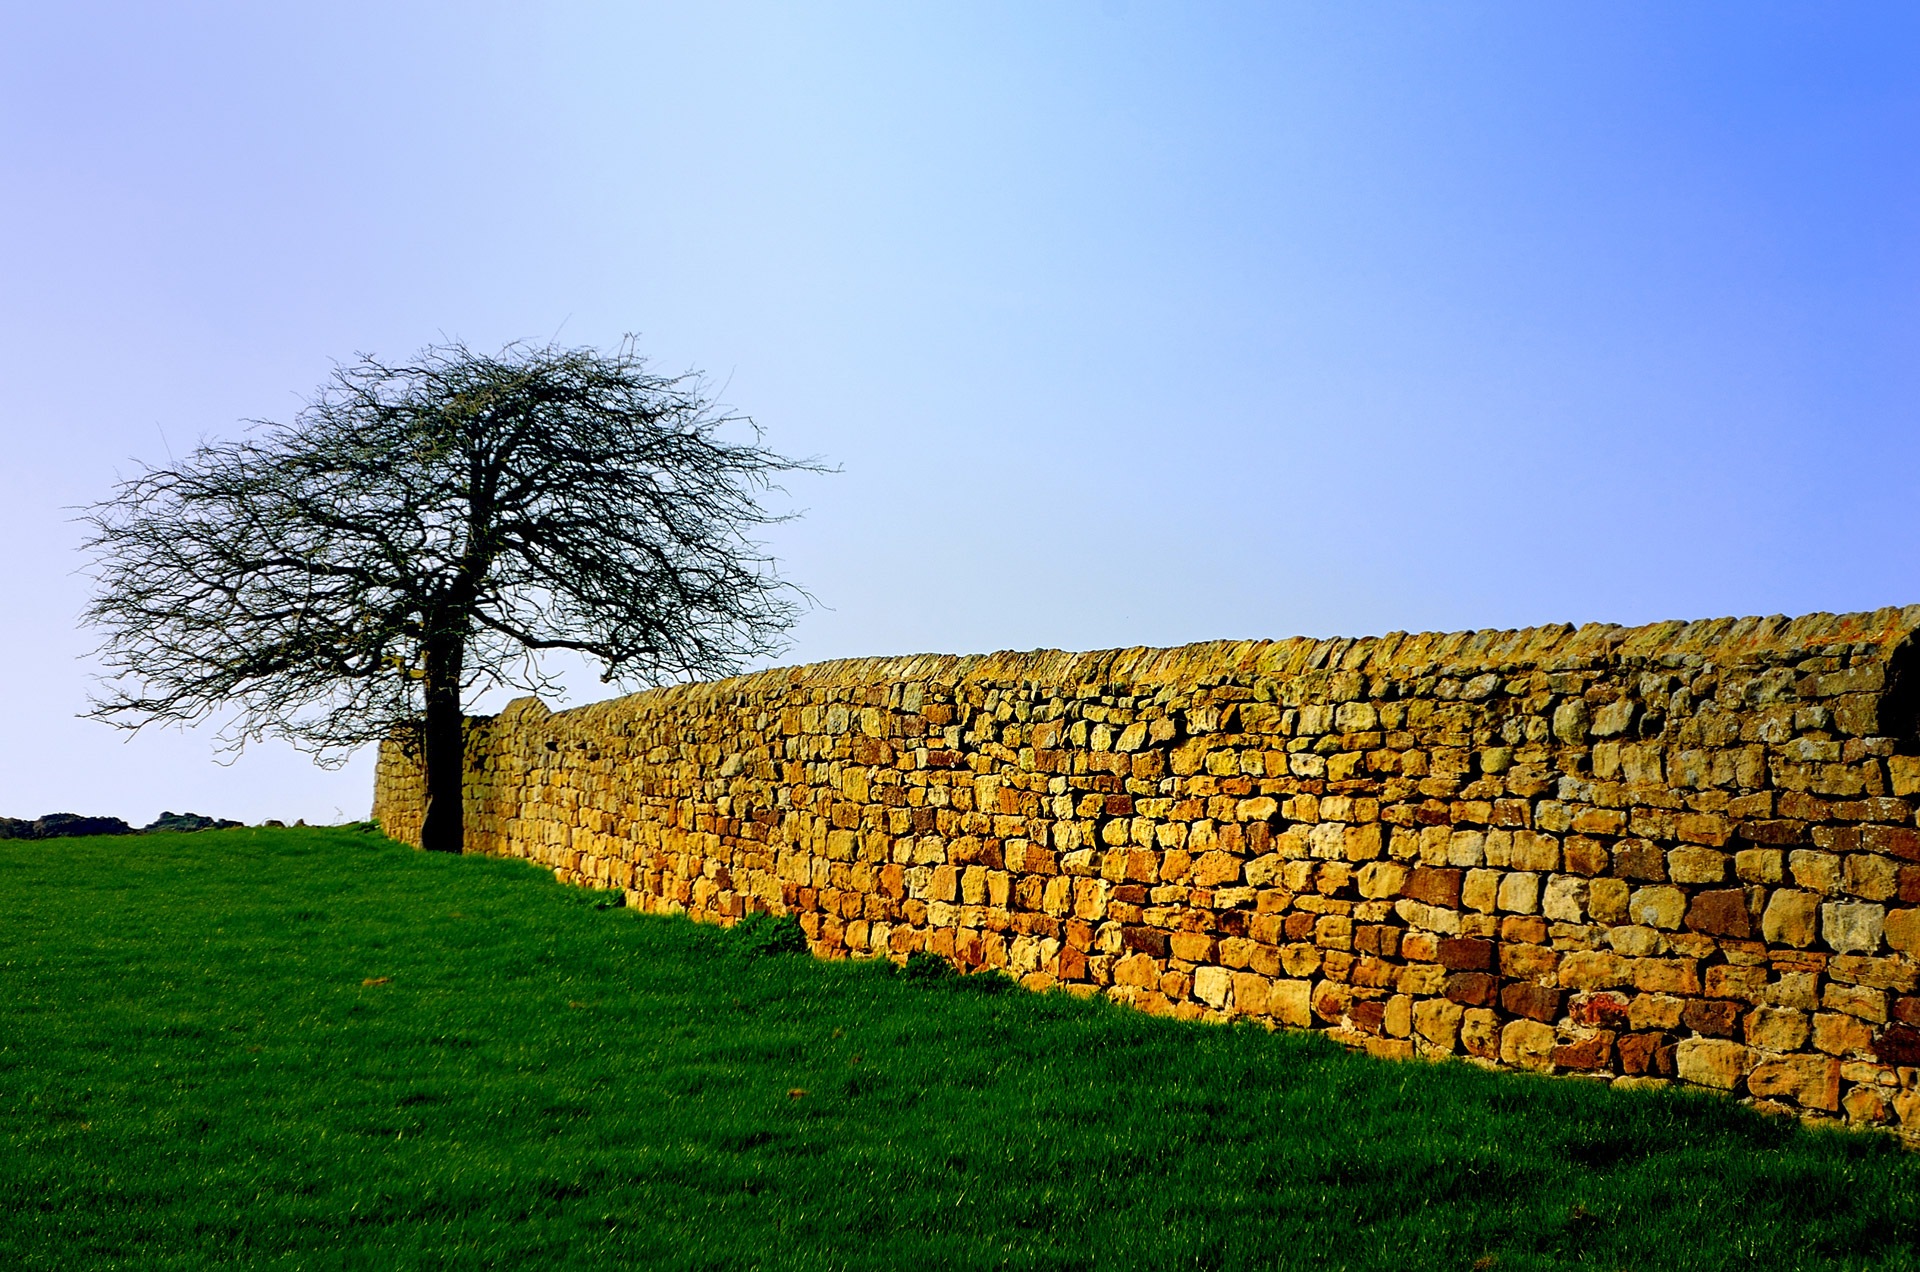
(1547, 647)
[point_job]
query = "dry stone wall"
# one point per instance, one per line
(1683, 852)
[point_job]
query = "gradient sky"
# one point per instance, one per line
(1128, 323)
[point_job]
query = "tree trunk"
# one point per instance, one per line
(443, 828)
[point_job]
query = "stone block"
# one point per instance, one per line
(1790, 918)
(1881, 973)
(1213, 986)
(1667, 975)
(1902, 930)
(1637, 859)
(1565, 899)
(1463, 954)
(1658, 907)
(1528, 962)
(1841, 1035)
(1715, 1018)
(1534, 851)
(1570, 721)
(1380, 879)
(1437, 886)
(1289, 1003)
(1607, 900)
(1471, 989)
(1729, 980)
(1438, 1021)
(1584, 856)
(1696, 865)
(1897, 1044)
(1520, 892)
(1605, 1008)
(1481, 890)
(1710, 1062)
(1528, 1044)
(1535, 1002)
(1813, 1082)
(1655, 1011)
(1760, 865)
(1777, 1029)
(1594, 969)
(1585, 1055)
(1856, 1000)
(1870, 877)
(1815, 871)
(1852, 927)
(1192, 947)
(1721, 912)
(1637, 1052)
(1480, 1033)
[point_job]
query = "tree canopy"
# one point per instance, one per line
(425, 530)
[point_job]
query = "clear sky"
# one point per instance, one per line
(1128, 323)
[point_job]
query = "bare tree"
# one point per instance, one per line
(427, 530)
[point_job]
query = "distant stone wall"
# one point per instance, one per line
(1683, 851)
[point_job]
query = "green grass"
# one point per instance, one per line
(316, 1049)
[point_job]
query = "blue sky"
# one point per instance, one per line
(1128, 323)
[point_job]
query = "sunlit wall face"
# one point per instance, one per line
(1129, 324)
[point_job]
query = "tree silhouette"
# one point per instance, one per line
(424, 531)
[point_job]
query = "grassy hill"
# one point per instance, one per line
(316, 1049)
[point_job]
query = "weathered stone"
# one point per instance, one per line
(1465, 954)
(1655, 1011)
(1481, 890)
(1637, 1052)
(1594, 969)
(1715, 1019)
(1534, 851)
(1520, 893)
(1471, 989)
(1658, 907)
(1870, 877)
(1480, 1033)
(1897, 1045)
(1289, 1002)
(1790, 918)
(1816, 871)
(1852, 927)
(1565, 899)
(1434, 886)
(1760, 865)
(1722, 913)
(1696, 865)
(1536, 1002)
(1880, 973)
(1379, 879)
(1902, 930)
(1813, 1082)
(1841, 1035)
(1570, 721)
(1710, 1062)
(1856, 1000)
(1667, 975)
(1606, 1009)
(1777, 1029)
(1438, 1021)
(1213, 986)
(1527, 1044)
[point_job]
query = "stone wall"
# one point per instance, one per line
(1683, 851)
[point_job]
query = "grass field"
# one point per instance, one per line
(317, 1049)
